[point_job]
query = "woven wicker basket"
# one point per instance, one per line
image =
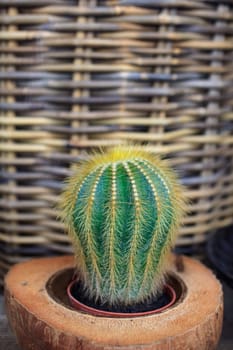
(76, 75)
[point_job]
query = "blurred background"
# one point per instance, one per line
(77, 75)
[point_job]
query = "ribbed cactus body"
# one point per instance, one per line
(122, 209)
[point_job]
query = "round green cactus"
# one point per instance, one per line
(123, 209)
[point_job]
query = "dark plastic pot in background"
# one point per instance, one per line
(220, 254)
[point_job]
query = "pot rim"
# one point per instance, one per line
(78, 306)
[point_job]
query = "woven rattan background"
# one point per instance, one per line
(80, 74)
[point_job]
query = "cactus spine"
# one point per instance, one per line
(122, 209)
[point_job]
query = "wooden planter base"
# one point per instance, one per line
(42, 319)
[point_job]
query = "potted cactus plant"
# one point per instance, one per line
(123, 209)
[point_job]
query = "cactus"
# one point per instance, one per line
(122, 209)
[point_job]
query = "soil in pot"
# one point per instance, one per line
(159, 302)
(171, 294)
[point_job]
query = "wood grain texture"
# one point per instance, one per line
(7, 337)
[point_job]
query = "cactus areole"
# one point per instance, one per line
(122, 208)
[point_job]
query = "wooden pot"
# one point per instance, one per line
(42, 318)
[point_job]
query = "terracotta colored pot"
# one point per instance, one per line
(77, 305)
(42, 318)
